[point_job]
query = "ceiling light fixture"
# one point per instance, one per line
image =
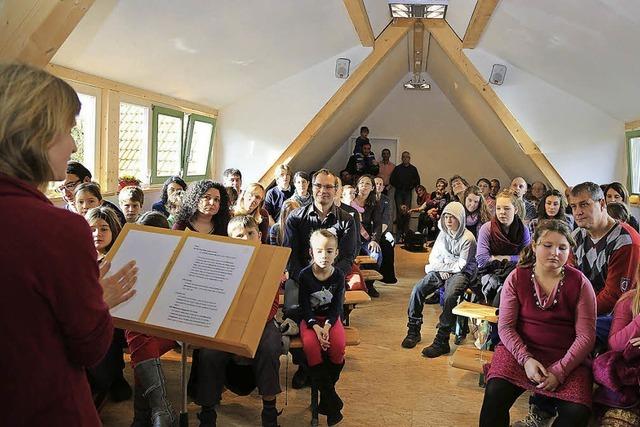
(434, 9)
(417, 83)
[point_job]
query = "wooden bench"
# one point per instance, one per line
(351, 299)
(470, 358)
(352, 337)
(473, 310)
(370, 275)
(364, 259)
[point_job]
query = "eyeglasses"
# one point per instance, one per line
(68, 186)
(324, 187)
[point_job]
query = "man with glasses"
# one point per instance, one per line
(322, 213)
(77, 174)
(608, 253)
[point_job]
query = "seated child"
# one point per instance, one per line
(107, 375)
(174, 205)
(87, 195)
(212, 364)
(617, 371)
(131, 199)
(321, 331)
(452, 264)
(547, 330)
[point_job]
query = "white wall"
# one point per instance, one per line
(581, 141)
(253, 132)
(428, 126)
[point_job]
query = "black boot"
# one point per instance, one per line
(334, 414)
(151, 378)
(141, 409)
(120, 390)
(208, 416)
(440, 345)
(371, 290)
(300, 378)
(413, 335)
(269, 413)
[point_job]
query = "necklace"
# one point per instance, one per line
(533, 288)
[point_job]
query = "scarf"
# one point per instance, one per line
(509, 244)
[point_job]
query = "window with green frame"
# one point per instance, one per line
(177, 149)
(633, 155)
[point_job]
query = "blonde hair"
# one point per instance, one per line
(288, 206)
(323, 232)
(515, 201)
(244, 221)
(281, 168)
(34, 108)
(240, 210)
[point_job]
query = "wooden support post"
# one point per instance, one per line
(110, 140)
(452, 46)
(32, 31)
(478, 22)
(360, 19)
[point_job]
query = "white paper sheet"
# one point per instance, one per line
(152, 252)
(201, 286)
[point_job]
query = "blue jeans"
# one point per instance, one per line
(454, 286)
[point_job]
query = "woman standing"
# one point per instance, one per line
(50, 299)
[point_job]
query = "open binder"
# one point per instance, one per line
(209, 291)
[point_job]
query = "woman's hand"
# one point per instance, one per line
(635, 342)
(373, 246)
(118, 287)
(550, 383)
(444, 275)
(536, 372)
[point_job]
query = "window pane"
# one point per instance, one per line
(169, 142)
(199, 153)
(134, 141)
(84, 132)
(634, 152)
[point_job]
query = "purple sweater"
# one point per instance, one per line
(483, 254)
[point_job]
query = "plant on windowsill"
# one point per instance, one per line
(127, 180)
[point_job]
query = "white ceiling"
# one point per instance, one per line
(211, 52)
(588, 48)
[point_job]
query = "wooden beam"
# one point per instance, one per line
(152, 97)
(478, 22)
(389, 38)
(32, 31)
(632, 125)
(452, 46)
(109, 140)
(418, 47)
(360, 19)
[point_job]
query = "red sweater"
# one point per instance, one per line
(53, 319)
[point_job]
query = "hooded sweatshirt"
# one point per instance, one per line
(453, 253)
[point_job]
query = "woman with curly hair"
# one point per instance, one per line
(170, 186)
(205, 209)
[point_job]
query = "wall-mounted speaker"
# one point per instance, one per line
(498, 72)
(342, 68)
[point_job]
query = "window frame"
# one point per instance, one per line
(155, 111)
(629, 135)
(89, 90)
(192, 119)
(128, 99)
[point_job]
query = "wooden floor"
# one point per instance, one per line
(382, 383)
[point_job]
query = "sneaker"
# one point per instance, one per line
(438, 348)
(535, 418)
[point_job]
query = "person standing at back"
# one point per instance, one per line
(385, 169)
(404, 179)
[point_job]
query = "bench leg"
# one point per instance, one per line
(347, 311)
(184, 413)
(314, 403)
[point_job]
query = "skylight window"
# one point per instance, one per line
(434, 9)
